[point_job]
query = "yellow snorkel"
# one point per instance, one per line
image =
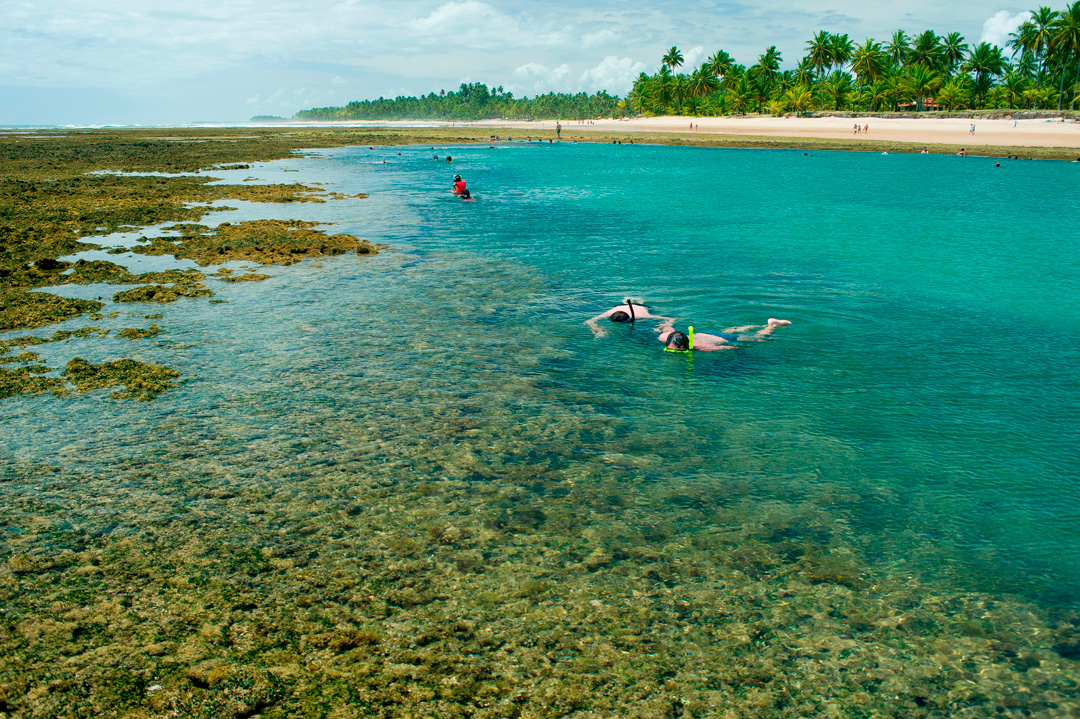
(690, 344)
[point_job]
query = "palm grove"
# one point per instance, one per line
(1041, 72)
(907, 72)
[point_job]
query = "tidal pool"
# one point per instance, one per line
(416, 484)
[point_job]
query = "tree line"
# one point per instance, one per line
(473, 101)
(924, 71)
(1039, 69)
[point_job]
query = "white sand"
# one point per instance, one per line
(1031, 133)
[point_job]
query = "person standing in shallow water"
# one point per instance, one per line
(711, 341)
(459, 185)
(628, 311)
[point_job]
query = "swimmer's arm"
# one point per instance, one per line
(594, 327)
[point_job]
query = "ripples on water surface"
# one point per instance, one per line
(920, 411)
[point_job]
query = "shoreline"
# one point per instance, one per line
(1028, 139)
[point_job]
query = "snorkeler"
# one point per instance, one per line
(712, 341)
(459, 185)
(630, 310)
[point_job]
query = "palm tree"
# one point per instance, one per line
(868, 62)
(673, 59)
(1042, 33)
(703, 82)
(985, 61)
(838, 89)
(953, 51)
(840, 48)
(663, 88)
(898, 48)
(921, 81)
(799, 98)
(804, 72)
(768, 64)
(720, 63)
(777, 106)
(819, 52)
(926, 50)
(1066, 41)
(953, 94)
(1014, 84)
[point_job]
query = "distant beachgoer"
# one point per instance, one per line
(449, 159)
(972, 130)
(856, 129)
(925, 151)
(436, 158)
(466, 195)
(713, 341)
(558, 130)
(962, 153)
(1014, 122)
(629, 311)
(459, 185)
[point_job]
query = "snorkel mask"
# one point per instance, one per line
(689, 344)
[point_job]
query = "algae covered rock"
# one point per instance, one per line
(278, 242)
(27, 310)
(133, 333)
(161, 293)
(140, 380)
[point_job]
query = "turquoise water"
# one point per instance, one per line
(922, 405)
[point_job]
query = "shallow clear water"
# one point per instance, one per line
(923, 401)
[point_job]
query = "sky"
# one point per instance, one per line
(158, 62)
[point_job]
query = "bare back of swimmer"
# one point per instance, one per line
(725, 340)
(629, 311)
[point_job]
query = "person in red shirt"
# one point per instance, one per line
(459, 185)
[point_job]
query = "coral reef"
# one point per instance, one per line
(278, 242)
(141, 380)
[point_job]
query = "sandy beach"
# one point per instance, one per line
(936, 131)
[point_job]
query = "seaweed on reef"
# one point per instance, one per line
(227, 275)
(27, 310)
(27, 381)
(162, 293)
(141, 380)
(133, 333)
(280, 242)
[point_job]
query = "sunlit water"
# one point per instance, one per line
(924, 400)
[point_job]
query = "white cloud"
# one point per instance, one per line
(614, 74)
(996, 30)
(692, 57)
(601, 37)
(537, 79)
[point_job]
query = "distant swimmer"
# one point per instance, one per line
(466, 195)
(629, 311)
(712, 341)
(449, 159)
(459, 185)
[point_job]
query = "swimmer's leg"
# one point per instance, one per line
(771, 327)
(743, 328)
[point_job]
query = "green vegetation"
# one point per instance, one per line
(925, 71)
(57, 187)
(472, 102)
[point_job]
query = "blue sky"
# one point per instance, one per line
(157, 62)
